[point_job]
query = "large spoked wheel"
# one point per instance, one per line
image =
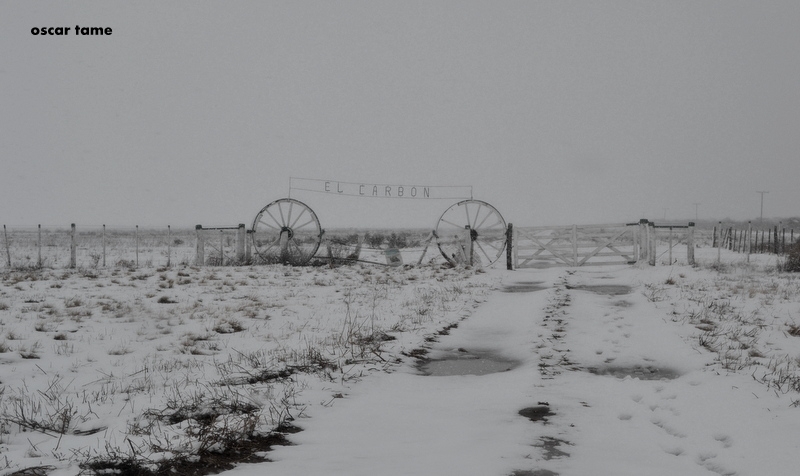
(286, 231)
(471, 232)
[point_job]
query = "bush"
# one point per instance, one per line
(396, 241)
(792, 258)
(374, 240)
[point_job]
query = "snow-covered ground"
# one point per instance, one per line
(607, 370)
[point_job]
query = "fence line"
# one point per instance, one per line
(95, 246)
(771, 240)
(89, 247)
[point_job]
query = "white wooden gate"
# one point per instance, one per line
(576, 245)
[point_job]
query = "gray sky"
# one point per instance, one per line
(555, 112)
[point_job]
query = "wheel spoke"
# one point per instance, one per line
(298, 217)
(498, 222)
(280, 224)
(477, 214)
(489, 243)
(271, 245)
(460, 227)
(484, 252)
(485, 218)
(300, 253)
(289, 214)
(304, 224)
(283, 218)
(267, 224)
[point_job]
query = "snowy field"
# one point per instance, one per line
(607, 370)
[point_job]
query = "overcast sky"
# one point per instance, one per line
(554, 112)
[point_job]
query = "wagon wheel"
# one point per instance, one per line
(487, 231)
(286, 231)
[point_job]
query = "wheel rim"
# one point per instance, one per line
(487, 230)
(286, 231)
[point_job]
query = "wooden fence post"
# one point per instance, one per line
(690, 244)
(39, 246)
(749, 238)
(775, 242)
(651, 238)
(200, 259)
(240, 234)
(136, 234)
(104, 245)
(8, 250)
(221, 247)
(509, 245)
(73, 248)
(719, 245)
(169, 245)
(783, 240)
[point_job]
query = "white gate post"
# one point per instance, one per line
(574, 245)
(248, 253)
(515, 239)
(670, 246)
(467, 245)
(643, 245)
(200, 256)
(284, 243)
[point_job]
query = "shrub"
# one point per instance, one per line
(374, 240)
(792, 258)
(396, 241)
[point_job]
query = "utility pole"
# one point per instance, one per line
(696, 219)
(762, 206)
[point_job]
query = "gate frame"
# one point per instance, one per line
(643, 239)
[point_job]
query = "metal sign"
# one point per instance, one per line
(381, 190)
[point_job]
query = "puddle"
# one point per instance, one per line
(523, 287)
(642, 372)
(550, 449)
(535, 472)
(537, 413)
(607, 289)
(462, 362)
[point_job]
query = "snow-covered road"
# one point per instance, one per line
(629, 393)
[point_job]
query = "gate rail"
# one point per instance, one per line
(595, 245)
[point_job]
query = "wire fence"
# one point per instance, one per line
(776, 239)
(96, 246)
(132, 247)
